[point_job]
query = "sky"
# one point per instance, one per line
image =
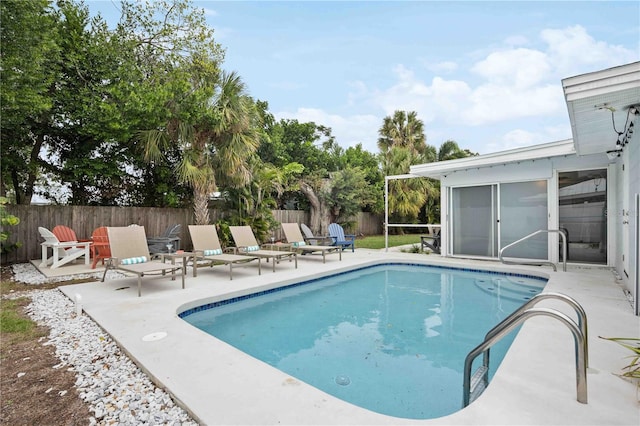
(484, 74)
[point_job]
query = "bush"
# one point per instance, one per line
(7, 220)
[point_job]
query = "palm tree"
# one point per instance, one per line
(449, 150)
(403, 144)
(214, 143)
(403, 130)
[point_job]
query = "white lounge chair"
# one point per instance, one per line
(247, 245)
(294, 237)
(63, 252)
(206, 245)
(130, 253)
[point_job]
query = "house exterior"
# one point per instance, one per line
(588, 187)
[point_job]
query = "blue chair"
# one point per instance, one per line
(340, 239)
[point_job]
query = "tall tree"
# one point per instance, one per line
(215, 136)
(96, 87)
(27, 71)
(402, 143)
(449, 150)
(403, 130)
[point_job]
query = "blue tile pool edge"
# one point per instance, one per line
(236, 299)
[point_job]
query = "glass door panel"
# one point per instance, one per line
(473, 216)
(523, 210)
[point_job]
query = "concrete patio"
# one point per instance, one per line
(217, 384)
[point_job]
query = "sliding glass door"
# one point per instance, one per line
(488, 217)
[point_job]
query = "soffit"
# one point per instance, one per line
(596, 101)
(535, 152)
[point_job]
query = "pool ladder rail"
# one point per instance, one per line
(473, 386)
(562, 233)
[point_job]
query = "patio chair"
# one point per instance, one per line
(431, 242)
(100, 249)
(169, 236)
(309, 238)
(340, 239)
(294, 237)
(206, 245)
(247, 245)
(129, 253)
(66, 234)
(63, 251)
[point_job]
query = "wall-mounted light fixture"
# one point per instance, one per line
(613, 154)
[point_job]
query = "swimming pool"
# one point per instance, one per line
(390, 338)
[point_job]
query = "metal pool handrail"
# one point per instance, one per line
(540, 231)
(581, 314)
(513, 321)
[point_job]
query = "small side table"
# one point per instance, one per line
(185, 256)
(278, 246)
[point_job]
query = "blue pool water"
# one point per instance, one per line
(390, 338)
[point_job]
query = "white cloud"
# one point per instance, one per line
(442, 67)
(510, 83)
(519, 67)
(572, 50)
(492, 103)
(518, 138)
(513, 91)
(516, 40)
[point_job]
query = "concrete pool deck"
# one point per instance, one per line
(218, 384)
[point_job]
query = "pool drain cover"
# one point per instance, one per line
(343, 380)
(154, 336)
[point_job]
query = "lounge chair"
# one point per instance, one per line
(63, 252)
(206, 245)
(294, 237)
(100, 249)
(309, 238)
(171, 235)
(340, 239)
(431, 242)
(130, 253)
(247, 245)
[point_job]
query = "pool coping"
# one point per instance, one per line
(219, 384)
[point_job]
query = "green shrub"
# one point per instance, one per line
(7, 220)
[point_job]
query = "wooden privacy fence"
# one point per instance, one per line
(84, 219)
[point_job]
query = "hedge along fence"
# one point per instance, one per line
(84, 219)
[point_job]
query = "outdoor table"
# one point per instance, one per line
(277, 246)
(185, 256)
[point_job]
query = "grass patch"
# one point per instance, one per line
(14, 324)
(10, 319)
(377, 241)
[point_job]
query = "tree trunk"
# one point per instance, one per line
(201, 206)
(319, 221)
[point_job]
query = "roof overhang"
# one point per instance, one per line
(437, 169)
(596, 101)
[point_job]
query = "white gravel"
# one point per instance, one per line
(117, 391)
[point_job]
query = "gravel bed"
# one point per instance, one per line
(117, 391)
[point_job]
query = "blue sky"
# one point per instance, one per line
(485, 74)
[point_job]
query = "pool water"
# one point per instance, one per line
(390, 338)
